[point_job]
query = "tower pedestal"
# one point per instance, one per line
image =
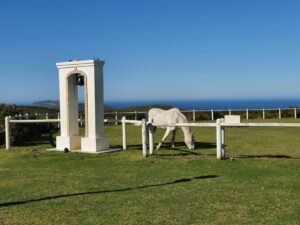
(94, 145)
(71, 143)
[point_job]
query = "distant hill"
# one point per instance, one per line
(47, 104)
(55, 105)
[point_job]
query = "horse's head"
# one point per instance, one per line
(190, 140)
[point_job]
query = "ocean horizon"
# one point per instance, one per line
(213, 104)
(204, 104)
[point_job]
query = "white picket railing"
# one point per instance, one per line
(219, 124)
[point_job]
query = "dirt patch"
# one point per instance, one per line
(193, 157)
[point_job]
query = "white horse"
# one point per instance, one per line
(170, 117)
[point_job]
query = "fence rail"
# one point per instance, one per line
(213, 113)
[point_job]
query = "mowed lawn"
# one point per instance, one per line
(259, 183)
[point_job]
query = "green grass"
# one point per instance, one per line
(260, 184)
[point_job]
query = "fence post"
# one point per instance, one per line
(279, 113)
(229, 111)
(295, 113)
(219, 139)
(58, 117)
(151, 142)
(80, 119)
(223, 139)
(47, 117)
(135, 115)
(116, 118)
(7, 133)
(144, 137)
(247, 114)
(124, 135)
(194, 115)
(212, 114)
(264, 114)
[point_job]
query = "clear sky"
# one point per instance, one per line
(154, 49)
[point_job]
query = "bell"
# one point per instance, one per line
(79, 80)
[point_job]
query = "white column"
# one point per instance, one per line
(229, 111)
(219, 139)
(124, 135)
(295, 113)
(212, 114)
(95, 140)
(247, 114)
(7, 133)
(69, 129)
(264, 114)
(144, 137)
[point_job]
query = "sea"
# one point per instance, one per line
(204, 104)
(213, 104)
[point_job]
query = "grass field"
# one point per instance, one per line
(259, 183)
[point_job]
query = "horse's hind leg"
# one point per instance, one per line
(163, 139)
(173, 138)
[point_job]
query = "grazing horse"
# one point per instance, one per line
(171, 117)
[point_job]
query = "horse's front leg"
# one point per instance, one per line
(173, 138)
(164, 138)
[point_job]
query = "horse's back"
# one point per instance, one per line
(170, 116)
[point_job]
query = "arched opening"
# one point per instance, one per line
(77, 84)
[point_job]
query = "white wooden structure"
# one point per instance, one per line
(90, 74)
(8, 120)
(220, 126)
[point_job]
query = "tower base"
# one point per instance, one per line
(71, 143)
(94, 145)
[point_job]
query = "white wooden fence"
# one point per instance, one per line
(8, 120)
(293, 111)
(115, 116)
(220, 126)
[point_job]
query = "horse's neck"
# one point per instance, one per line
(181, 118)
(186, 131)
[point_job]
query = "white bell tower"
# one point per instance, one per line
(90, 74)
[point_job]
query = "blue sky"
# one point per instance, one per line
(154, 50)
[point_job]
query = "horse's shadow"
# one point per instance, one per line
(178, 146)
(198, 145)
